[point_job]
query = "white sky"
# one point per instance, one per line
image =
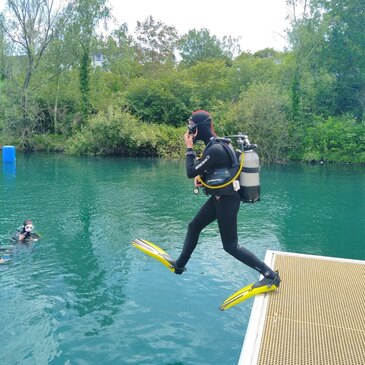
(258, 23)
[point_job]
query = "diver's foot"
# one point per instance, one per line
(269, 281)
(177, 270)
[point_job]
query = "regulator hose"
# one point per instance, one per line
(227, 183)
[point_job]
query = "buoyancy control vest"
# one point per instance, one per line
(220, 177)
(245, 167)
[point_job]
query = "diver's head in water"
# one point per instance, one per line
(28, 226)
(201, 126)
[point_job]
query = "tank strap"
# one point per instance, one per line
(226, 144)
(232, 153)
(251, 170)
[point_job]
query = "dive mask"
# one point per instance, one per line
(191, 126)
(29, 228)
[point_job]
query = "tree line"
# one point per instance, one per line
(67, 84)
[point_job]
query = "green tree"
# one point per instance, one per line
(86, 15)
(230, 46)
(208, 84)
(261, 113)
(30, 26)
(335, 139)
(199, 45)
(330, 53)
(156, 42)
(2, 50)
(119, 50)
(344, 51)
(165, 100)
(57, 96)
(247, 69)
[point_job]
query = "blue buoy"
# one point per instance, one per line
(8, 153)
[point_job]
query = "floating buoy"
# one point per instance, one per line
(8, 154)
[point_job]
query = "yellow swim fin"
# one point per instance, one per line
(263, 286)
(156, 252)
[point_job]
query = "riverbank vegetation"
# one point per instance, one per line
(66, 87)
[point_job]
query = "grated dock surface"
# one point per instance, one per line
(317, 317)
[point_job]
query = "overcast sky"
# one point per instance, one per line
(258, 23)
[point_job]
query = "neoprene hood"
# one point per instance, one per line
(203, 120)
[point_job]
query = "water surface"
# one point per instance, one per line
(84, 295)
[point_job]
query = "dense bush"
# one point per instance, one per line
(340, 139)
(166, 100)
(261, 113)
(118, 132)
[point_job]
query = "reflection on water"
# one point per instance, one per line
(83, 294)
(9, 169)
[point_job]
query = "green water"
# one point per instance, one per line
(84, 295)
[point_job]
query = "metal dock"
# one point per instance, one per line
(316, 317)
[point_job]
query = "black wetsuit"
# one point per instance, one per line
(223, 205)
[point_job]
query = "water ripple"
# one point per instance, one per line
(84, 295)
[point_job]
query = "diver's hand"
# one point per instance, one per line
(197, 182)
(22, 236)
(188, 140)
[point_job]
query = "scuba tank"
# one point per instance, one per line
(248, 172)
(250, 175)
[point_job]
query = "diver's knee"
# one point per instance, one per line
(194, 226)
(228, 249)
(231, 248)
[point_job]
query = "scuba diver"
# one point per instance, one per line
(224, 203)
(218, 172)
(26, 233)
